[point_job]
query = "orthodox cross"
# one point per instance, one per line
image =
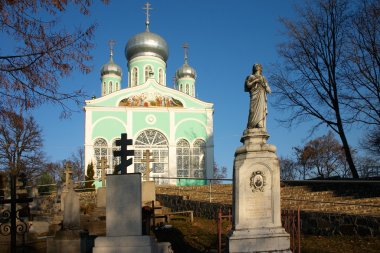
(68, 173)
(147, 9)
(103, 166)
(123, 153)
(147, 161)
(185, 47)
(111, 43)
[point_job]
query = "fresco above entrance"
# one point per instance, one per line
(150, 100)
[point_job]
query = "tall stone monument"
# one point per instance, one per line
(256, 187)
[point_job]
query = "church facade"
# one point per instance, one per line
(174, 125)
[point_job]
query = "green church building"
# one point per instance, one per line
(174, 125)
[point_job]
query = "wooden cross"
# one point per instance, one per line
(147, 161)
(123, 153)
(68, 173)
(103, 166)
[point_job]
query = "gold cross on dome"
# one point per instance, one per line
(111, 43)
(147, 9)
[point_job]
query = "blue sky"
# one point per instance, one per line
(226, 38)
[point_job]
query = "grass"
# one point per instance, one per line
(201, 237)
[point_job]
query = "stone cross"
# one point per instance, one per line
(147, 161)
(68, 172)
(123, 153)
(103, 166)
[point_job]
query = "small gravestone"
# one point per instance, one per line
(68, 183)
(101, 191)
(69, 238)
(148, 193)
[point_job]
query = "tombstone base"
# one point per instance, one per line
(148, 192)
(101, 199)
(127, 244)
(256, 198)
(274, 240)
(67, 241)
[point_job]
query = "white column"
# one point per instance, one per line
(88, 145)
(130, 169)
(172, 148)
(210, 144)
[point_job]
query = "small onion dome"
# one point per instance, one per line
(111, 68)
(147, 44)
(186, 71)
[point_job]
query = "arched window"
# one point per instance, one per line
(160, 77)
(157, 144)
(148, 71)
(134, 77)
(193, 90)
(183, 158)
(104, 88)
(180, 87)
(115, 160)
(100, 150)
(198, 159)
(117, 86)
(187, 89)
(110, 88)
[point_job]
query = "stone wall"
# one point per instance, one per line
(201, 209)
(314, 223)
(353, 188)
(339, 224)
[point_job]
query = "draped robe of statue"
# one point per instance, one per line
(257, 85)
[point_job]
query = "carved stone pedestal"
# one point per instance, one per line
(256, 197)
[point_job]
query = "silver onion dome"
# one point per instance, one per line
(186, 71)
(111, 68)
(147, 44)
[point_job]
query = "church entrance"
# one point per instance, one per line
(158, 145)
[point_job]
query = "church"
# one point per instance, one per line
(170, 122)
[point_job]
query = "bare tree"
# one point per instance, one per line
(288, 169)
(42, 52)
(219, 172)
(303, 158)
(77, 160)
(310, 83)
(363, 65)
(20, 144)
(323, 156)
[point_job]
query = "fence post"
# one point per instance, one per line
(154, 215)
(220, 231)
(299, 229)
(210, 189)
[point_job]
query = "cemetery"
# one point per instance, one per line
(135, 212)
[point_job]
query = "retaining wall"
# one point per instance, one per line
(314, 223)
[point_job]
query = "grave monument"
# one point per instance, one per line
(101, 191)
(68, 183)
(69, 238)
(256, 187)
(123, 209)
(148, 193)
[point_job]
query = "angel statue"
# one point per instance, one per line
(257, 86)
